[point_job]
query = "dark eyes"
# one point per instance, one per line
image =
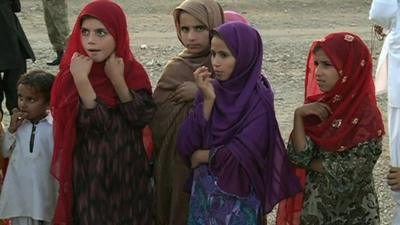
(85, 32)
(197, 29)
(323, 63)
(223, 55)
(200, 28)
(31, 100)
(220, 54)
(184, 29)
(99, 32)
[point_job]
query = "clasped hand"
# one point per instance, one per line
(185, 92)
(321, 110)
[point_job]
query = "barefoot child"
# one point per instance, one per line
(101, 102)
(336, 136)
(28, 196)
(231, 139)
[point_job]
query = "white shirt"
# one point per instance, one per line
(29, 190)
(386, 13)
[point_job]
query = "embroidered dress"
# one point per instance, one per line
(344, 193)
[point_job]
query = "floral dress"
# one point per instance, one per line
(209, 205)
(344, 193)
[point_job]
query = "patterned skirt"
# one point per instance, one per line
(209, 205)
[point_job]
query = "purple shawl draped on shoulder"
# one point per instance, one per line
(247, 152)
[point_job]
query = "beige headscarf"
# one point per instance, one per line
(181, 68)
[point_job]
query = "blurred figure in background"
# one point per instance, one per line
(15, 49)
(231, 16)
(56, 18)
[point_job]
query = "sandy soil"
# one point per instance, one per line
(287, 28)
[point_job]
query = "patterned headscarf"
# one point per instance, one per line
(355, 115)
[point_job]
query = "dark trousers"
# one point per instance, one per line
(8, 87)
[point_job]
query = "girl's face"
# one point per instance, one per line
(194, 34)
(222, 59)
(325, 72)
(96, 40)
(31, 102)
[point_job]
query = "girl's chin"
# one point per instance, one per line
(221, 78)
(97, 59)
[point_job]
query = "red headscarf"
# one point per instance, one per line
(65, 98)
(355, 115)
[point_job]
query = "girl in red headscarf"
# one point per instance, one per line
(101, 101)
(336, 137)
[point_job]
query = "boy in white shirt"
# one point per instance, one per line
(29, 192)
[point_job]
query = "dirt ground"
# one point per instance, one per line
(287, 27)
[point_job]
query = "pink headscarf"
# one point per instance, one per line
(231, 16)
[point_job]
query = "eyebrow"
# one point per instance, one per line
(97, 29)
(196, 25)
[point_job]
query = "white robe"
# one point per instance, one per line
(29, 190)
(386, 13)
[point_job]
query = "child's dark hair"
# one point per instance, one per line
(39, 80)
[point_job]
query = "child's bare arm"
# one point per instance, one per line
(199, 157)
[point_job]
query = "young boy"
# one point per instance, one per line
(29, 193)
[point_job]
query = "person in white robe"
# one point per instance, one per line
(386, 13)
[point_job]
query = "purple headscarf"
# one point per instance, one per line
(246, 148)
